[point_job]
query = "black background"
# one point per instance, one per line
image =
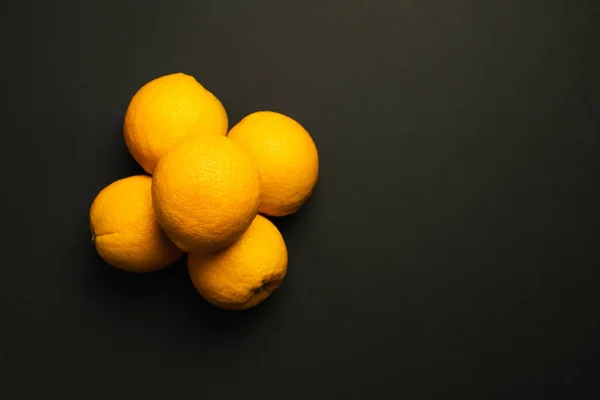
(451, 246)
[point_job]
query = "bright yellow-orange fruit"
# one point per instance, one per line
(167, 110)
(206, 192)
(244, 274)
(124, 229)
(286, 157)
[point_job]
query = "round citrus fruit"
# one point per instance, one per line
(286, 157)
(244, 274)
(166, 110)
(124, 229)
(206, 192)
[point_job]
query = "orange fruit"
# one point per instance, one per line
(206, 192)
(167, 110)
(286, 157)
(124, 229)
(244, 274)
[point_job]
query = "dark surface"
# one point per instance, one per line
(451, 249)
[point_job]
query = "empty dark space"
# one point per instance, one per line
(450, 248)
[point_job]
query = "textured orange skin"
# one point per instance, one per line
(167, 110)
(286, 156)
(245, 273)
(206, 193)
(124, 228)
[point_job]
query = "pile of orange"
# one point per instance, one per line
(205, 192)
